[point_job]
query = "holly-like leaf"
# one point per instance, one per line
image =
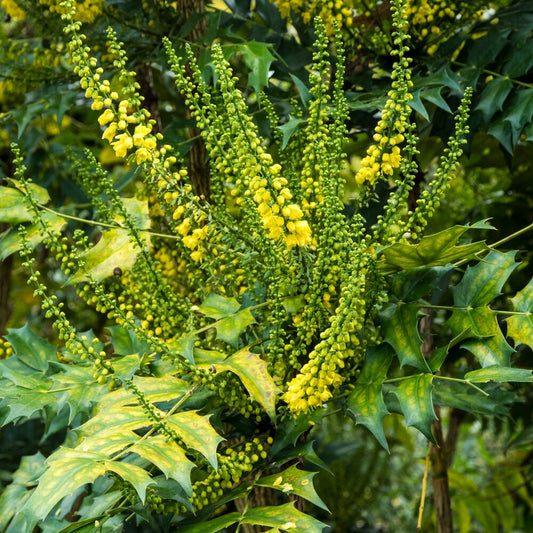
(400, 330)
(433, 250)
(284, 517)
(500, 374)
(168, 457)
(115, 248)
(217, 306)
(365, 402)
(415, 283)
(67, 471)
(133, 474)
(253, 372)
(487, 342)
(185, 346)
(520, 326)
(258, 59)
(294, 481)
(230, 328)
(483, 283)
(288, 129)
(30, 348)
(493, 96)
(212, 526)
(520, 111)
(416, 402)
(10, 240)
(13, 208)
(197, 433)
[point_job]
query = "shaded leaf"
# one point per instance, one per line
(416, 403)
(433, 95)
(483, 282)
(493, 97)
(212, 526)
(400, 330)
(415, 283)
(288, 129)
(294, 481)
(499, 374)
(30, 348)
(376, 365)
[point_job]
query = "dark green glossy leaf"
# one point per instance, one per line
(376, 365)
(483, 283)
(433, 250)
(433, 95)
(400, 330)
(499, 374)
(31, 349)
(493, 96)
(487, 343)
(294, 481)
(416, 402)
(415, 283)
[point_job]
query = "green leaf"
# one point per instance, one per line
(294, 481)
(197, 433)
(253, 372)
(400, 330)
(168, 457)
(520, 111)
(415, 283)
(185, 346)
(125, 342)
(216, 306)
(24, 402)
(499, 374)
(483, 283)
(13, 209)
(285, 517)
(115, 248)
(30, 348)
(416, 403)
(288, 129)
(67, 472)
(211, 526)
(520, 326)
(133, 474)
(230, 328)
(258, 59)
(365, 402)
(493, 97)
(417, 105)
(433, 250)
(10, 240)
(433, 95)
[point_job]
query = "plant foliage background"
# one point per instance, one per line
(265, 266)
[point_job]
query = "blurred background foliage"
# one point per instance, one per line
(487, 45)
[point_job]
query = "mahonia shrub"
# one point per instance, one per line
(235, 319)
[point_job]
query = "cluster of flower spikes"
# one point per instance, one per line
(384, 157)
(336, 11)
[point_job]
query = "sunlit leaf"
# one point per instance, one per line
(294, 481)
(253, 372)
(217, 306)
(520, 326)
(115, 248)
(212, 526)
(230, 328)
(197, 433)
(285, 517)
(499, 374)
(133, 474)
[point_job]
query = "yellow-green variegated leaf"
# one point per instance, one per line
(520, 326)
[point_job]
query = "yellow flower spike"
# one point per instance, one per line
(109, 132)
